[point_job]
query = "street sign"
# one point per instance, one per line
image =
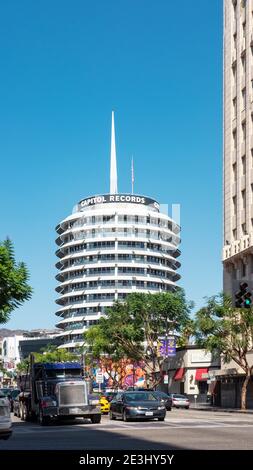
(99, 377)
(168, 346)
(166, 379)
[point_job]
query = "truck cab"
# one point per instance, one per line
(57, 391)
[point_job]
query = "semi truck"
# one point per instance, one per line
(56, 390)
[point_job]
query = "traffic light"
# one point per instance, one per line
(243, 297)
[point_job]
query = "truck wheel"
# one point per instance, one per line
(25, 413)
(43, 420)
(95, 419)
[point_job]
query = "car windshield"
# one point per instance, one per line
(15, 393)
(141, 396)
(5, 391)
(182, 397)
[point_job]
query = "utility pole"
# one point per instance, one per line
(166, 343)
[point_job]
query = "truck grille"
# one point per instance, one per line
(72, 395)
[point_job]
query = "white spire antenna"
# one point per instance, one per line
(113, 168)
(132, 174)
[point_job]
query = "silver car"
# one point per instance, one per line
(5, 418)
(180, 401)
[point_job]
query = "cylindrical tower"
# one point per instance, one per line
(110, 246)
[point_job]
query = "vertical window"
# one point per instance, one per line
(234, 172)
(244, 199)
(244, 98)
(234, 108)
(234, 138)
(244, 229)
(244, 29)
(244, 63)
(234, 234)
(243, 269)
(244, 130)
(243, 165)
(234, 205)
(235, 39)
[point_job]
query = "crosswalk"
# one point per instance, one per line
(107, 425)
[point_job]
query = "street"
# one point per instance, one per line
(182, 429)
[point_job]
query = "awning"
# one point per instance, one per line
(179, 374)
(199, 373)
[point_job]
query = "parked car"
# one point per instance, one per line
(164, 398)
(137, 405)
(6, 391)
(12, 395)
(5, 418)
(180, 401)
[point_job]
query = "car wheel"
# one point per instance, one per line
(125, 417)
(169, 409)
(6, 437)
(161, 419)
(187, 407)
(95, 419)
(21, 412)
(111, 416)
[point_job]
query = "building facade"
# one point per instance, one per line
(111, 246)
(192, 372)
(238, 142)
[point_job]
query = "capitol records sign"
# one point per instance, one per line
(118, 198)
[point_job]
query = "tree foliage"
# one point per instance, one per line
(132, 329)
(52, 354)
(228, 331)
(14, 288)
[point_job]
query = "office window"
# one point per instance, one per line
(243, 165)
(244, 199)
(243, 269)
(234, 234)
(244, 229)
(234, 138)
(243, 58)
(244, 98)
(244, 29)
(235, 172)
(234, 108)
(244, 130)
(234, 205)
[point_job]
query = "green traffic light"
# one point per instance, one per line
(247, 301)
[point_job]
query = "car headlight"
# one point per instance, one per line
(161, 408)
(132, 408)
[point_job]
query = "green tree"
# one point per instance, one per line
(223, 329)
(132, 329)
(52, 354)
(14, 289)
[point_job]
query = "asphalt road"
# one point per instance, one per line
(182, 429)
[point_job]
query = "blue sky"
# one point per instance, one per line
(64, 67)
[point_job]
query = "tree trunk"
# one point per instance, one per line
(244, 392)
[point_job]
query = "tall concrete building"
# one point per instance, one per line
(111, 245)
(238, 142)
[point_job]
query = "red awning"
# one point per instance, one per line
(179, 374)
(199, 373)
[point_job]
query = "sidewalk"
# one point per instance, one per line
(207, 407)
